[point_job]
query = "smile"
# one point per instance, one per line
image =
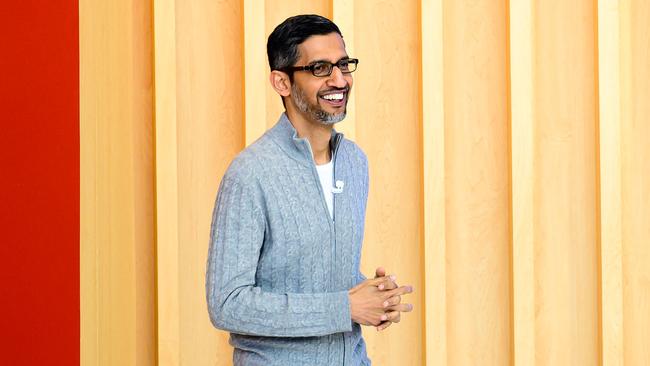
(336, 99)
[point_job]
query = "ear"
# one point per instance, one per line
(280, 83)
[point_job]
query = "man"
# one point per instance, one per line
(283, 268)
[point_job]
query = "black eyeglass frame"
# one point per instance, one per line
(311, 67)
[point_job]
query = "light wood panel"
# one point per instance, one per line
(433, 159)
(565, 192)
(210, 133)
(117, 301)
(199, 125)
(609, 131)
(388, 129)
(167, 270)
(635, 179)
(256, 69)
(522, 112)
(477, 184)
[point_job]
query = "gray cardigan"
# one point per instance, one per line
(279, 267)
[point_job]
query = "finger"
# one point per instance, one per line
(382, 283)
(380, 272)
(390, 284)
(404, 308)
(383, 326)
(393, 316)
(392, 301)
(377, 281)
(399, 291)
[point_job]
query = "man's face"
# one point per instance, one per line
(317, 98)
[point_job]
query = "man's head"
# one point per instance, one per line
(301, 53)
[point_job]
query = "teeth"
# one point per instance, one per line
(333, 96)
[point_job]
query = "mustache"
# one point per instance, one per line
(344, 90)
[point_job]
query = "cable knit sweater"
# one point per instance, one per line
(279, 267)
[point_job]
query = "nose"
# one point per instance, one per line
(337, 79)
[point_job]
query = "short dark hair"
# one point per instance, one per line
(282, 45)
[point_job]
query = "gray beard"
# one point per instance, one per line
(315, 111)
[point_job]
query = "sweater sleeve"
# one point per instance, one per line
(235, 303)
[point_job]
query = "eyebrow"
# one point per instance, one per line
(324, 60)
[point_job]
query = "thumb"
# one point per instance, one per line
(380, 272)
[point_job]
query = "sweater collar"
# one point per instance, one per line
(285, 135)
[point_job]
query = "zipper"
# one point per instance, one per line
(331, 220)
(337, 141)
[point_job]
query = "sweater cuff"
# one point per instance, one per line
(339, 308)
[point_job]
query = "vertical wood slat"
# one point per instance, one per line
(343, 16)
(521, 44)
(433, 145)
(477, 183)
(209, 110)
(167, 183)
(610, 182)
(255, 70)
(566, 193)
(635, 181)
(388, 129)
(117, 309)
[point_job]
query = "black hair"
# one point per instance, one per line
(282, 45)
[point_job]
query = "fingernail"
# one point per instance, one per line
(385, 303)
(410, 307)
(384, 317)
(410, 288)
(393, 278)
(381, 287)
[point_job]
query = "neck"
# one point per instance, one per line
(316, 133)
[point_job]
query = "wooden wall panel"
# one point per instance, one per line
(522, 107)
(565, 193)
(388, 129)
(609, 133)
(201, 135)
(117, 287)
(433, 168)
(635, 182)
(210, 133)
(477, 183)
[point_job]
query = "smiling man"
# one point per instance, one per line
(283, 265)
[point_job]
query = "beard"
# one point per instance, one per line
(314, 110)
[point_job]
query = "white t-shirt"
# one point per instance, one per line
(325, 174)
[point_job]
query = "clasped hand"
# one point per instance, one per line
(378, 302)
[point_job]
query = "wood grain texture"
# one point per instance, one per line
(565, 197)
(477, 183)
(199, 136)
(522, 122)
(609, 132)
(117, 308)
(433, 165)
(635, 180)
(388, 129)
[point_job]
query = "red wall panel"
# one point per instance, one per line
(39, 183)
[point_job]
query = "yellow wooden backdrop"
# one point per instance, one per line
(509, 149)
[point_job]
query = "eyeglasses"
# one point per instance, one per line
(324, 68)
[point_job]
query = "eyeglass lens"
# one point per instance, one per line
(325, 68)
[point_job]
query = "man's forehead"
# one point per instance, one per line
(322, 47)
